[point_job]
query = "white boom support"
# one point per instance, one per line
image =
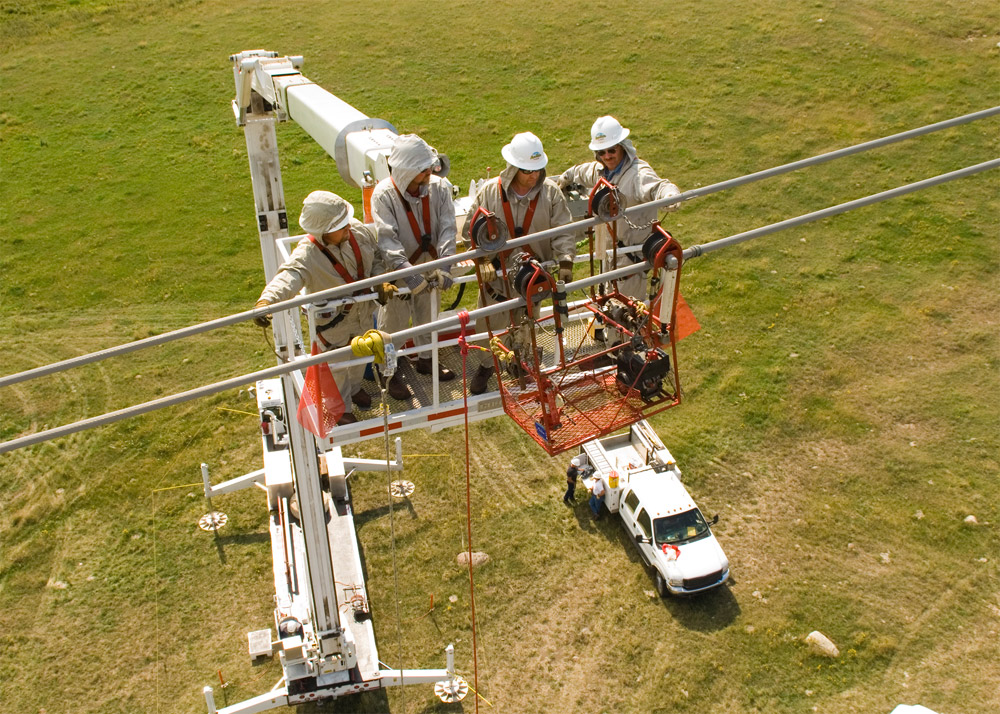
(326, 640)
(359, 144)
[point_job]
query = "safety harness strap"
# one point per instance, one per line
(424, 240)
(509, 215)
(337, 265)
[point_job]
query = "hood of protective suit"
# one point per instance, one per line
(323, 212)
(507, 178)
(409, 156)
(629, 157)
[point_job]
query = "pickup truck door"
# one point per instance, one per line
(643, 528)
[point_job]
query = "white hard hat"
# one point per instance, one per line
(324, 212)
(607, 132)
(525, 152)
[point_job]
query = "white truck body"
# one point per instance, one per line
(643, 487)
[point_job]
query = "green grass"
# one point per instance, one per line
(840, 399)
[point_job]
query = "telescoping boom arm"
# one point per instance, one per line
(358, 143)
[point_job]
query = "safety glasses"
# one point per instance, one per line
(529, 171)
(603, 152)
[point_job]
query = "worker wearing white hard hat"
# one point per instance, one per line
(338, 250)
(527, 202)
(415, 221)
(615, 160)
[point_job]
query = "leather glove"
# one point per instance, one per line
(566, 271)
(262, 320)
(385, 292)
(416, 283)
(444, 280)
(488, 272)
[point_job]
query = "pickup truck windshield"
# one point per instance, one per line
(681, 528)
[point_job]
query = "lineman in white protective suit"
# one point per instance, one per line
(616, 161)
(527, 202)
(415, 220)
(338, 250)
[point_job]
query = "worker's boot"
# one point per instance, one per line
(424, 366)
(481, 380)
(398, 388)
(348, 418)
(362, 399)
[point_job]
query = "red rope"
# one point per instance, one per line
(463, 319)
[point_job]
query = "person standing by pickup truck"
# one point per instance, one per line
(571, 475)
(597, 497)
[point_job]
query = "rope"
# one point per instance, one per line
(384, 391)
(463, 319)
(371, 344)
(502, 354)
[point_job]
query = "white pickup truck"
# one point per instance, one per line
(642, 485)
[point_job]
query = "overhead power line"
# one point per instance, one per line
(445, 263)
(343, 354)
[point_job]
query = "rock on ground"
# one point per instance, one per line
(478, 558)
(821, 644)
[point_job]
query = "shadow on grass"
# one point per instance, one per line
(372, 514)
(376, 702)
(709, 611)
(221, 541)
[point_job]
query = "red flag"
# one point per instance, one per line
(687, 323)
(321, 405)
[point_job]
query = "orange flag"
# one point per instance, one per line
(320, 406)
(687, 323)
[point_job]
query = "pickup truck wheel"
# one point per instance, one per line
(661, 584)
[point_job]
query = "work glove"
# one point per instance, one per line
(668, 191)
(566, 271)
(444, 280)
(488, 272)
(262, 320)
(416, 283)
(385, 292)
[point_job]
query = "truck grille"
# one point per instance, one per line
(703, 582)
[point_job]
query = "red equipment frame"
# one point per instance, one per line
(564, 394)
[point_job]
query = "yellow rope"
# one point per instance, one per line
(183, 485)
(238, 411)
(372, 343)
(501, 352)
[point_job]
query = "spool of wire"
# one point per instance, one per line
(488, 233)
(607, 202)
(524, 267)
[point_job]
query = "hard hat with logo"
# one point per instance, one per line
(607, 132)
(525, 152)
(324, 212)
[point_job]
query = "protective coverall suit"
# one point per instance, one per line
(549, 209)
(401, 220)
(310, 266)
(638, 183)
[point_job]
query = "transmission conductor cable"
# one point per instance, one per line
(452, 322)
(445, 263)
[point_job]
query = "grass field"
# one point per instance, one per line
(841, 399)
